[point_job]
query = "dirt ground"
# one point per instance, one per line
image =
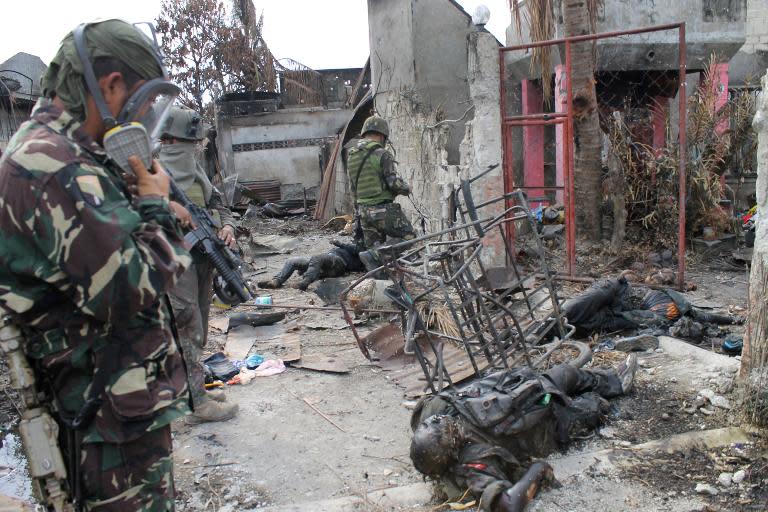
(307, 437)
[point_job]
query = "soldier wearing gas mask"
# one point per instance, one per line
(85, 265)
(485, 436)
(191, 297)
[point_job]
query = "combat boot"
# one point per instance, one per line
(626, 373)
(217, 395)
(211, 410)
(272, 283)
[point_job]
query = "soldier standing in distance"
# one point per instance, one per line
(85, 266)
(375, 184)
(191, 297)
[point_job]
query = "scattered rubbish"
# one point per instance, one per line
(462, 506)
(263, 300)
(605, 346)
(637, 343)
(214, 384)
(739, 476)
(321, 363)
(725, 479)
(253, 361)
(285, 346)
(371, 293)
(218, 366)
(265, 245)
(373, 439)
(330, 288)
(265, 369)
(255, 319)
(732, 345)
(220, 323)
(240, 339)
(707, 489)
(326, 418)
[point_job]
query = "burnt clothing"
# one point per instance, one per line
(335, 263)
(673, 305)
(513, 416)
(605, 307)
(600, 307)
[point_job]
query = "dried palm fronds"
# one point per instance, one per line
(437, 316)
(652, 174)
(540, 21)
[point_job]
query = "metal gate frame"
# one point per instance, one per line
(566, 120)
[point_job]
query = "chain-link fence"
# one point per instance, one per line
(554, 130)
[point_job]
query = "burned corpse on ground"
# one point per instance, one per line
(484, 436)
(340, 260)
(608, 306)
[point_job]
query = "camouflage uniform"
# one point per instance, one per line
(84, 270)
(335, 263)
(375, 184)
(191, 297)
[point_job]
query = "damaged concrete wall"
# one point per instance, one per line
(436, 81)
(418, 72)
(750, 62)
(285, 145)
(481, 146)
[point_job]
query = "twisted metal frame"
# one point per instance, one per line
(497, 328)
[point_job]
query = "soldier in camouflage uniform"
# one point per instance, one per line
(84, 269)
(375, 184)
(337, 262)
(191, 297)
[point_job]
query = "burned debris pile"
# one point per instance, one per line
(460, 317)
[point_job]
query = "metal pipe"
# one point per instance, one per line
(682, 101)
(318, 308)
(570, 210)
(591, 37)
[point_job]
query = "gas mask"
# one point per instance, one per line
(136, 129)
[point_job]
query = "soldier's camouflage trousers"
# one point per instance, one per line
(135, 476)
(317, 267)
(384, 220)
(191, 302)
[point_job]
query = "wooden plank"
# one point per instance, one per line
(286, 347)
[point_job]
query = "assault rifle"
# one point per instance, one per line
(39, 432)
(229, 284)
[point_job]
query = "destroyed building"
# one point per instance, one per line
(19, 90)
(278, 144)
(435, 77)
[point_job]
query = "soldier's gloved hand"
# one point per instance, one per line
(150, 183)
(227, 235)
(185, 218)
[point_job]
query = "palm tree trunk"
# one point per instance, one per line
(754, 360)
(587, 133)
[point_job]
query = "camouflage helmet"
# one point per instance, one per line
(376, 124)
(436, 444)
(184, 123)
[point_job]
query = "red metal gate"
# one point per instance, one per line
(562, 118)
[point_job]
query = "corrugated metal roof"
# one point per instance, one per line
(26, 70)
